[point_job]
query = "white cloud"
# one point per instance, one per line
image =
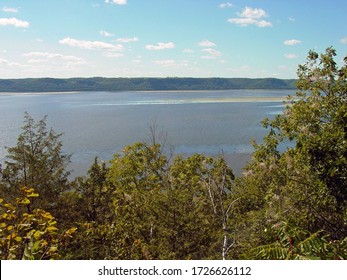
(242, 21)
(206, 44)
(291, 42)
(253, 13)
(225, 5)
(10, 63)
(14, 21)
(38, 57)
(160, 46)
(9, 10)
(290, 55)
(263, 23)
(106, 34)
(91, 45)
(291, 19)
(211, 53)
(344, 41)
(42, 64)
(118, 2)
(127, 40)
(249, 21)
(188, 51)
(251, 16)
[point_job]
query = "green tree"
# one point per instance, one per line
(93, 194)
(306, 184)
(186, 230)
(138, 176)
(36, 162)
(199, 208)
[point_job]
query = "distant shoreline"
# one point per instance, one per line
(139, 91)
(38, 92)
(141, 84)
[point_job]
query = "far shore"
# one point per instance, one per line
(38, 92)
(157, 90)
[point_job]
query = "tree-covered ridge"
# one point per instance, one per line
(140, 84)
(150, 204)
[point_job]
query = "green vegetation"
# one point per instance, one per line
(150, 204)
(141, 84)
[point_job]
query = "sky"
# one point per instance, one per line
(166, 38)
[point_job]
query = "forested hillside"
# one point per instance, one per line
(148, 203)
(133, 84)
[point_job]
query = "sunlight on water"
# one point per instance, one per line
(186, 101)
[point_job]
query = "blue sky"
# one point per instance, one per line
(161, 38)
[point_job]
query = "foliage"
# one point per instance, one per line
(93, 195)
(36, 162)
(27, 235)
(306, 184)
(297, 244)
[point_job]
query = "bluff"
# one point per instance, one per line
(140, 84)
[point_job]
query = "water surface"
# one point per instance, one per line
(102, 123)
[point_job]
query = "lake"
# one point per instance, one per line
(102, 123)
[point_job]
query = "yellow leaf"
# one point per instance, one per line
(8, 205)
(37, 234)
(18, 239)
(47, 215)
(70, 231)
(24, 201)
(53, 249)
(51, 228)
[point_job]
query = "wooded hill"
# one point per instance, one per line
(132, 84)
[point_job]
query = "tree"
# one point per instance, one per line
(187, 229)
(93, 194)
(219, 186)
(36, 162)
(137, 176)
(305, 185)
